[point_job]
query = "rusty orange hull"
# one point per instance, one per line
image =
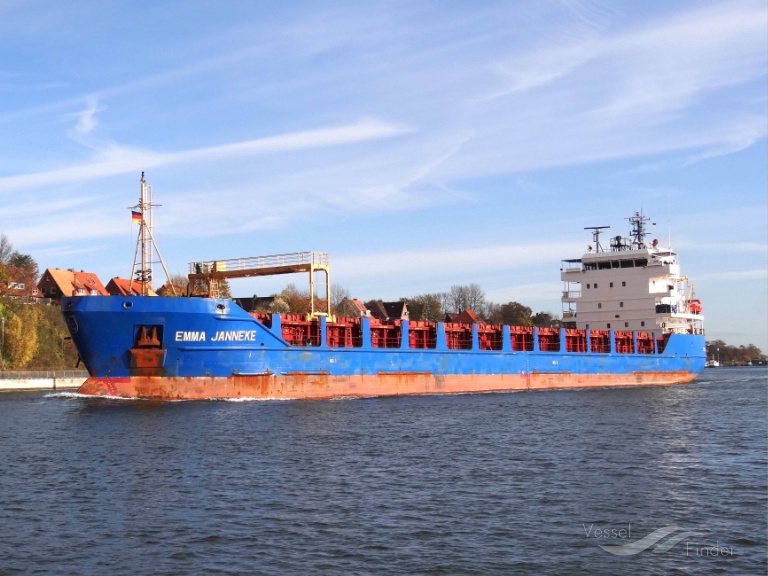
(324, 386)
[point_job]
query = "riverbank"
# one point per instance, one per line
(14, 381)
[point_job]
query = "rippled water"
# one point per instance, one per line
(520, 483)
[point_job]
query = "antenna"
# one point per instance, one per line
(596, 236)
(638, 232)
(669, 232)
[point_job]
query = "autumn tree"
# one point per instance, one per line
(36, 337)
(180, 282)
(546, 320)
(15, 268)
(23, 270)
(20, 337)
(295, 300)
(512, 313)
(279, 306)
(224, 290)
(426, 307)
(197, 287)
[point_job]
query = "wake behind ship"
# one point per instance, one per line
(629, 319)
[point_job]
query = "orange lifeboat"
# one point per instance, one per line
(696, 306)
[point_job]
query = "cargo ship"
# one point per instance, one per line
(629, 319)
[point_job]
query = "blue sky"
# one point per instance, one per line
(421, 144)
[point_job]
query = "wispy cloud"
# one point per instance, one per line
(525, 73)
(734, 247)
(736, 275)
(468, 260)
(119, 160)
(624, 92)
(86, 119)
(668, 64)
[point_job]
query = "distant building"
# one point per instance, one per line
(126, 287)
(465, 317)
(55, 283)
(21, 291)
(388, 310)
(359, 308)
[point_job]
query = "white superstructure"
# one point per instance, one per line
(634, 286)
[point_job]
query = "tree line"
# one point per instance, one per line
(428, 307)
(36, 338)
(31, 337)
(728, 355)
(431, 307)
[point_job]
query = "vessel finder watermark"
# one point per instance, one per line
(621, 541)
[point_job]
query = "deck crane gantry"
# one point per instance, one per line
(214, 271)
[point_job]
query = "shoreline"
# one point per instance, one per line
(40, 384)
(13, 381)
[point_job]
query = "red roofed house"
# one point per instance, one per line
(388, 310)
(126, 287)
(20, 291)
(465, 317)
(55, 283)
(359, 308)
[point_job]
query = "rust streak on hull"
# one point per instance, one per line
(325, 386)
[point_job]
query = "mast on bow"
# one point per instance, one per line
(145, 243)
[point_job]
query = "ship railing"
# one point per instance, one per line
(573, 265)
(291, 259)
(370, 333)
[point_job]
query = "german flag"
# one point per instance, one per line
(136, 216)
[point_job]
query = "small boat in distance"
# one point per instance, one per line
(629, 319)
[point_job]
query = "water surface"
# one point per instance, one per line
(516, 483)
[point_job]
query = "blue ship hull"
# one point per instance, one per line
(194, 348)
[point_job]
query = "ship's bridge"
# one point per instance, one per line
(627, 259)
(634, 285)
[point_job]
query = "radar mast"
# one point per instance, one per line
(638, 231)
(596, 235)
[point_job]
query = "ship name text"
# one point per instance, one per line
(219, 336)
